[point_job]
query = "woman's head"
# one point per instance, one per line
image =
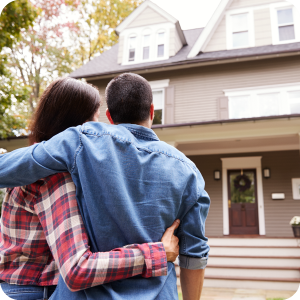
(65, 103)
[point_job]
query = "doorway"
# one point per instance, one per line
(242, 201)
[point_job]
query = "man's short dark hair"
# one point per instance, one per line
(129, 97)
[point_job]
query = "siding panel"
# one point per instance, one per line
(147, 17)
(263, 30)
(249, 3)
(121, 48)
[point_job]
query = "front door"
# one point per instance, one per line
(242, 202)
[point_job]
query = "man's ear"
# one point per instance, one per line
(152, 112)
(109, 117)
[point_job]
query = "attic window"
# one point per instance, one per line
(240, 30)
(132, 48)
(146, 46)
(286, 24)
(161, 44)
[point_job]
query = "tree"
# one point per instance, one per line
(97, 21)
(16, 17)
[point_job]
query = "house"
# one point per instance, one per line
(228, 97)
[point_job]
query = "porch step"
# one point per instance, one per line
(259, 263)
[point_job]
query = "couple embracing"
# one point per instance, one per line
(84, 188)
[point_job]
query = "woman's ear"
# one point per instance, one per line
(109, 117)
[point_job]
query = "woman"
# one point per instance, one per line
(42, 232)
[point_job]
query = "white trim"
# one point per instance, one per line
(274, 22)
(251, 29)
(210, 28)
(159, 84)
(253, 162)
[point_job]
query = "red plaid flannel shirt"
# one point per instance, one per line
(42, 235)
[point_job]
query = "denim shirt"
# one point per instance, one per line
(130, 187)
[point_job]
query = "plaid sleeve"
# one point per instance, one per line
(67, 238)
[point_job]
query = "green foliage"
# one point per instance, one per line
(15, 17)
(2, 194)
(98, 19)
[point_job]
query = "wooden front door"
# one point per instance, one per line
(242, 202)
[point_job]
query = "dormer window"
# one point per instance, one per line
(286, 25)
(161, 44)
(132, 48)
(240, 30)
(146, 46)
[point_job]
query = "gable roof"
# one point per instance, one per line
(210, 28)
(106, 64)
(156, 8)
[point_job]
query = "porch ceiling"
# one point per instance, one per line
(244, 136)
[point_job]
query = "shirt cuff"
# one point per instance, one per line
(192, 263)
(156, 262)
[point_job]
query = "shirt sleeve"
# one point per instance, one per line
(193, 253)
(68, 241)
(26, 165)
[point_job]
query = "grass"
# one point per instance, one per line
(275, 299)
(180, 296)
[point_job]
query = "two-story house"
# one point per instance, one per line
(228, 97)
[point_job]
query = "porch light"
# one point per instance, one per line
(217, 175)
(267, 173)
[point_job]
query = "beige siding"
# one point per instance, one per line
(249, 3)
(284, 166)
(121, 49)
(263, 29)
(218, 40)
(147, 17)
(175, 42)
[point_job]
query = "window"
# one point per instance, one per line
(286, 26)
(132, 47)
(161, 44)
(264, 101)
(146, 46)
(158, 101)
(240, 30)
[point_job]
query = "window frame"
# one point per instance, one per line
(128, 48)
(229, 30)
(163, 104)
(254, 93)
(159, 44)
(275, 26)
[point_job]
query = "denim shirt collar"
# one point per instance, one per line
(141, 132)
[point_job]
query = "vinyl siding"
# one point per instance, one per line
(218, 40)
(147, 17)
(121, 49)
(197, 89)
(263, 30)
(175, 43)
(249, 3)
(284, 166)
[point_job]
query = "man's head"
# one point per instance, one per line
(129, 100)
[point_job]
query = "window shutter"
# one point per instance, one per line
(169, 104)
(223, 109)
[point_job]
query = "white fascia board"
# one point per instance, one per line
(139, 10)
(159, 84)
(210, 28)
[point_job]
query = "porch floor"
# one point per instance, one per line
(242, 294)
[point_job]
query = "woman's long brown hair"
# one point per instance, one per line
(65, 103)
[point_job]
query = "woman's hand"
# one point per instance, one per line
(171, 241)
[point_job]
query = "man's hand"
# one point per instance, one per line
(171, 241)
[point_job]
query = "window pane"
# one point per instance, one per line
(158, 99)
(146, 52)
(132, 42)
(295, 102)
(146, 40)
(161, 51)
(285, 16)
(269, 104)
(240, 39)
(131, 54)
(157, 117)
(161, 38)
(240, 107)
(286, 33)
(240, 22)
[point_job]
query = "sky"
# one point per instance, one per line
(190, 13)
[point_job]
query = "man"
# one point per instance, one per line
(129, 186)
